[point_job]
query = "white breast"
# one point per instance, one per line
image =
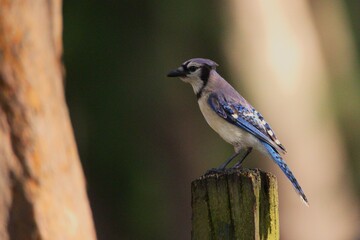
(232, 134)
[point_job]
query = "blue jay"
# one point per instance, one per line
(232, 117)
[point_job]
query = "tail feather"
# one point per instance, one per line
(286, 170)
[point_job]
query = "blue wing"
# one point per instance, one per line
(243, 115)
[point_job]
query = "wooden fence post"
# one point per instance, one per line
(235, 204)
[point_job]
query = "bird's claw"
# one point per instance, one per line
(214, 171)
(237, 166)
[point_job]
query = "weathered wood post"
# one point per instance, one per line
(241, 204)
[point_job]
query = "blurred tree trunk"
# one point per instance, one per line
(341, 57)
(41, 181)
(275, 47)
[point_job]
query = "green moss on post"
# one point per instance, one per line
(233, 204)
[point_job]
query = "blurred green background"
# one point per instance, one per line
(140, 135)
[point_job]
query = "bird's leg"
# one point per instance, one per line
(223, 166)
(238, 164)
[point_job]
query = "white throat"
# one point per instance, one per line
(196, 83)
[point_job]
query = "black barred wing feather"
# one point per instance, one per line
(269, 131)
(243, 115)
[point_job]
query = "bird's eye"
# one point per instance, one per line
(192, 69)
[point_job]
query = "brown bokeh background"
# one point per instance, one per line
(142, 138)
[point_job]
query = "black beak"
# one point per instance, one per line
(177, 73)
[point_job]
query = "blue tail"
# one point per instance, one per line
(286, 170)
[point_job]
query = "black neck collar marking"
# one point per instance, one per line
(205, 73)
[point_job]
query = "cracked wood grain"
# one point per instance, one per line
(235, 205)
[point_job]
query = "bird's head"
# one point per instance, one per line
(195, 71)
